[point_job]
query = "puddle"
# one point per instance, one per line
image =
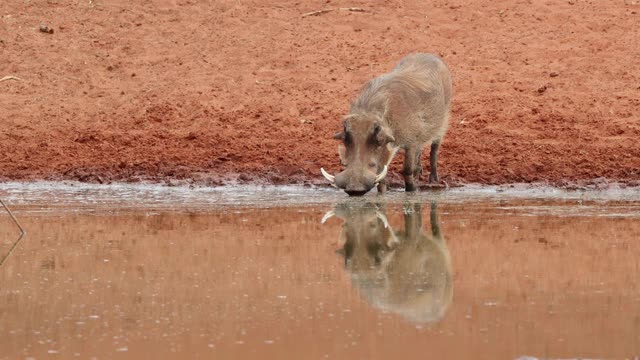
(485, 273)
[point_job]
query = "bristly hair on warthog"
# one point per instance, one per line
(406, 108)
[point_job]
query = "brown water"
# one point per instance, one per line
(495, 279)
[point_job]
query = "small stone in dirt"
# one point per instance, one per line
(542, 89)
(553, 74)
(46, 29)
(191, 136)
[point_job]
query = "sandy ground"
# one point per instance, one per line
(251, 91)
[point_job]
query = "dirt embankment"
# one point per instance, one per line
(252, 91)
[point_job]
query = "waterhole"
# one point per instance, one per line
(146, 271)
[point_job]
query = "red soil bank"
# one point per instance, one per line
(545, 91)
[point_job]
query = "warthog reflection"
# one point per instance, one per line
(407, 272)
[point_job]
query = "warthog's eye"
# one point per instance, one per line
(373, 165)
(375, 136)
(376, 142)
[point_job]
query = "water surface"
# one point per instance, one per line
(155, 272)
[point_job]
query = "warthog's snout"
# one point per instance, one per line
(353, 183)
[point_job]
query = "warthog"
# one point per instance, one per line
(405, 272)
(406, 108)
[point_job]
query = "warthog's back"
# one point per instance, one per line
(414, 99)
(427, 68)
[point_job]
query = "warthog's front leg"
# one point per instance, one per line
(382, 186)
(418, 162)
(411, 167)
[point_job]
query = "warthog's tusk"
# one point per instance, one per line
(328, 176)
(381, 176)
(383, 218)
(327, 216)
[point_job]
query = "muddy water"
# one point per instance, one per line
(429, 276)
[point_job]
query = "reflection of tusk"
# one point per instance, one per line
(392, 241)
(328, 176)
(381, 175)
(383, 218)
(327, 216)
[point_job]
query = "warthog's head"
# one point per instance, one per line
(366, 150)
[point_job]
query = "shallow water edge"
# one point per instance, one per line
(43, 196)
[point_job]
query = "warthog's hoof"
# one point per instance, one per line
(410, 188)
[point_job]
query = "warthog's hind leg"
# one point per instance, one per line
(433, 162)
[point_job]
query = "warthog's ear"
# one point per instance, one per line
(342, 153)
(383, 135)
(339, 136)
